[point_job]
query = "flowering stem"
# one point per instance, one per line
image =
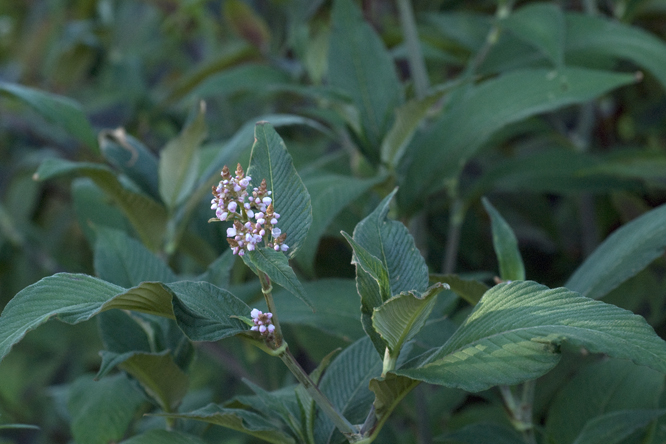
(267, 290)
(282, 351)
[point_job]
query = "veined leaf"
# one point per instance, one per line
(622, 255)
(440, 153)
(60, 110)
(330, 193)
(204, 312)
(607, 386)
(345, 383)
(102, 411)
(276, 265)
(514, 333)
(375, 269)
(359, 64)
(541, 25)
(391, 242)
(146, 216)
(238, 419)
(126, 262)
(470, 290)
(179, 162)
(271, 161)
(159, 376)
(400, 318)
(159, 436)
(589, 36)
(131, 157)
(614, 427)
(506, 246)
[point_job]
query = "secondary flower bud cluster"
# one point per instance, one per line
(233, 202)
(262, 322)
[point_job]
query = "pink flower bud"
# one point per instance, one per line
(271, 328)
(231, 232)
(232, 206)
(255, 313)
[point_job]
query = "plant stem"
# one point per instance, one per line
(521, 409)
(282, 351)
(267, 290)
(414, 53)
(346, 428)
(389, 362)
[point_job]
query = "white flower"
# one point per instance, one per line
(231, 232)
(276, 232)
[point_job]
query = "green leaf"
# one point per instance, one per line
(271, 161)
(391, 242)
(245, 78)
(93, 208)
(330, 193)
(102, 411)
(375, 269)
(336, 308)
(146, 216)
(345, 383)
(74, 298)
(506, 246)
(515, 331)
(614, 427)
(400, 318)
(242, 19)
(541, 25)
(589, 37)
(59, 110)
(126, 262)
(132, 158)
(283, 405)
(18, 426)
(440, 153)
(204, 312)
(238, 419)
(159, 376)
(622, 255)
(482, 434)
(598, 389)
(157, 436)
(179, 162)
(470, 290)
(360, 65)
(276, 265)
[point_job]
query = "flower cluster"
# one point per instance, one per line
(262, 322)
(233, 202)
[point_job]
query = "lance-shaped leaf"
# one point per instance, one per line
(470, 290)
(205, 312)
(238, 419)
(622, 255)
(400, 318)
(102, 411)
(506, 246)
(179, 162)
(515, 331)
(131, 157)
(589, 36)
(614, 427)
(541, 25)
(203, 309)
(158, 375)
(60, 110)
(146, 216)
(126, 262)
(276, 265)
(271, 161)
(470, 121)
(282, 405)
(359, 64)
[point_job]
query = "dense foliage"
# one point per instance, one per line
(464, 221)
